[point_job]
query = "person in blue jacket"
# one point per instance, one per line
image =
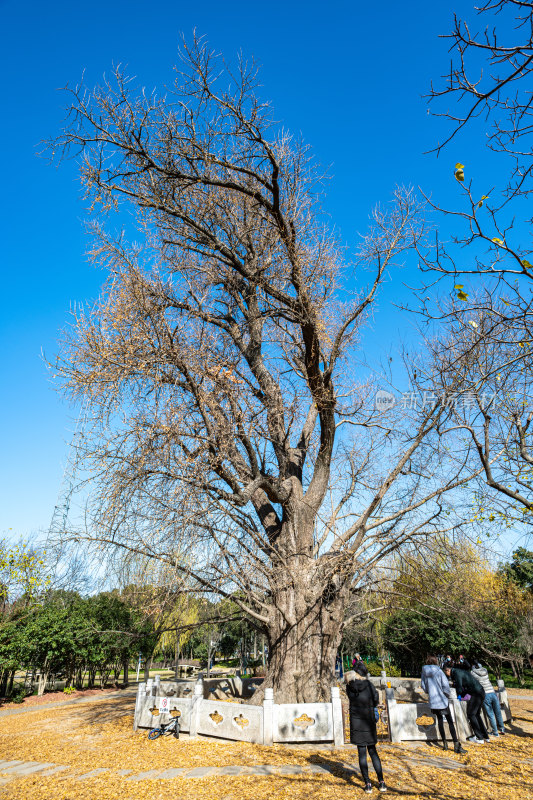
(436, 685)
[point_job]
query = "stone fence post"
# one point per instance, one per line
(336, 708)
(392, 711)
(268, 716)
(141, 693)
(196, 704)
(504, 702)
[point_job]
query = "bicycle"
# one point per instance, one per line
(172, 727)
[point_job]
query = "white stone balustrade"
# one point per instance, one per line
(415, 722)
(261, 724)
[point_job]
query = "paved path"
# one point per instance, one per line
(404, 761)
(100, 698)
(13, 769)
(525, 697)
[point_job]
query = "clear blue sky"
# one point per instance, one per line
(348, 75)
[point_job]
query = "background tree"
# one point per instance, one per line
(446, 598)
(178, 626)
(73, 636)
(23, 577)
(520, 569)
(238, 638)
(157, 594)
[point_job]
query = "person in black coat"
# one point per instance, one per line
(466, 683)
(364, 699)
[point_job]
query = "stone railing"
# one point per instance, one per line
(410, 722)
(409, 716)
(261, 724)
(220, 688)
(413, 721)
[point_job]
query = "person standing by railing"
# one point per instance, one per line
(436, 685)
(364, 700)
(466, 683)
(491, 703)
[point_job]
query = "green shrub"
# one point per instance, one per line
(375, 668)
(69, 690)
(19, 694)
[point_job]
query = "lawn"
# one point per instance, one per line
(512, 683)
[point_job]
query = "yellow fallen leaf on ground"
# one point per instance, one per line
(99, 735)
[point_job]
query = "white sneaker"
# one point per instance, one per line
(475, 740)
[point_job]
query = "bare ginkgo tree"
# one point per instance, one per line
(234, 432)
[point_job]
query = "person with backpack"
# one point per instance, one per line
(436, 685)
(467, 684)
(491, 703)
(364, 699)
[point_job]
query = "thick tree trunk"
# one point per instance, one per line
(92, 677)
(308, 600)
(41, 686)
(43, 678)
(3, 682)
(303, 641)
(147, 665)
(302, 659)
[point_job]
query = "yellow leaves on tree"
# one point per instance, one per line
(22, 571)
(459, 172)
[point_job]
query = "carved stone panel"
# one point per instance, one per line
(231, 721)
(303, 722)
(148, 712)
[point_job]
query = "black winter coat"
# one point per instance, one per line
(363, 699)
(466, 683)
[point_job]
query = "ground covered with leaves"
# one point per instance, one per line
(99, 734)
